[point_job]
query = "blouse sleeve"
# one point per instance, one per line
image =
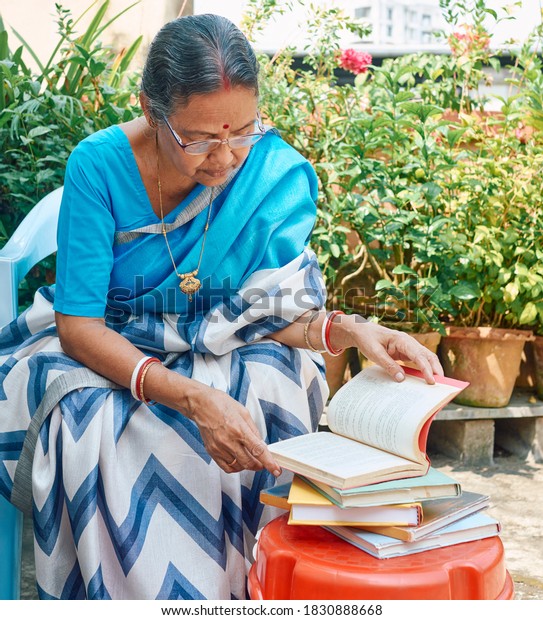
(85, 237)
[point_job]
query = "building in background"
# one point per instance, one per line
(398, 23)
(399, 26)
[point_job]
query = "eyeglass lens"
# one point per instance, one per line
(237, 142)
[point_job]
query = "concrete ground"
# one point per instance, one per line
(515, 487)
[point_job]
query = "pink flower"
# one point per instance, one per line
(354, 61)
(522, 133)
(469, 39)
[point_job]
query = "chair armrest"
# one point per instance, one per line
(34, 239)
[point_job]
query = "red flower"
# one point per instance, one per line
(354, 61)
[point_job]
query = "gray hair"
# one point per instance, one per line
(195, 55)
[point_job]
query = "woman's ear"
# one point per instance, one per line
(144, 102)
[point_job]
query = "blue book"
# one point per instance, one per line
(474, 527)
(433, 485)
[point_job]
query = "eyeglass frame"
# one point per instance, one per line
(261, 133)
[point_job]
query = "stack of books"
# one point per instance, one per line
(369, 481)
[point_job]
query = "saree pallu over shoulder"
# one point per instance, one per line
(261, 219)
(126, 502)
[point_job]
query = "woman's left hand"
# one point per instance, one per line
(385, 347)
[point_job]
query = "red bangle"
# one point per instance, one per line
(329, 321)
(141, 377)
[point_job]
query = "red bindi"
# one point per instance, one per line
(225, 126)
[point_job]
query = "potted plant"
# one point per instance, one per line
(82, 86)
(449, 207)
(316, 113)
(493, 264)
(427, 216)
(403, 154)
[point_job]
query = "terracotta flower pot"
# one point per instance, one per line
(489, 358)
(430, 340)
(537, 348)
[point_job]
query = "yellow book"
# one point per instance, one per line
(309, 507)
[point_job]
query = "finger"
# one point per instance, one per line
(425, 360)
(437, 368)
(238, 463)
(392, 368)
(245, 460)
(238, 450)
(423, 364)
(229, 466)
(230, 454)
(429, 364)
(258, 449)
(247, 418)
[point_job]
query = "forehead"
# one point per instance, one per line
(211, 111)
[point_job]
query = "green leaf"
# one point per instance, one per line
(528, 314)
(432, 190)
(29, 49)
(38, 131)
(465, 291)
(115, 17)
(384, 284)
(4, 48)
(510, 292)
(403, 269)
(129, 54)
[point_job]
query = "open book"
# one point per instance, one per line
(379, 429)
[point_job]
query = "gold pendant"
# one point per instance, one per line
(189, 283)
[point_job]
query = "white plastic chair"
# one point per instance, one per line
(34, 239)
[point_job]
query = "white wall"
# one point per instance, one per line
(41, 30)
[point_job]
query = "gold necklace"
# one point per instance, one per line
(189, 282)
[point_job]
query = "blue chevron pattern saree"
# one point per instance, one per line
(126, 502)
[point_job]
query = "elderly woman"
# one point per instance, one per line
(183, 335)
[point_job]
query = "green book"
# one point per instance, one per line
(433, 485)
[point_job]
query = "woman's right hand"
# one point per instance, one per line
(229, 433)
(230, 436)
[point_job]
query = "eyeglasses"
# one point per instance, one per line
(202, 147)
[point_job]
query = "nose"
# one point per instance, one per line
(222, 154)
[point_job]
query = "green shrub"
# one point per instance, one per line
(84, 86)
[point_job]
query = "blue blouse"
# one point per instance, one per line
(262, 220)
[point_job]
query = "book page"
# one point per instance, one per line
(328, 453)
(378, 411)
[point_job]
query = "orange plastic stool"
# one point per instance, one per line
(296, 562)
